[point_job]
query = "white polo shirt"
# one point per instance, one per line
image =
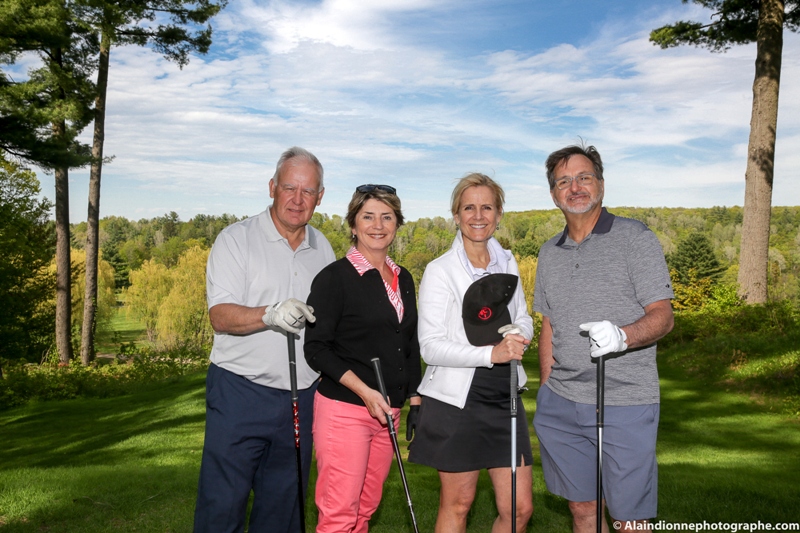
(252, 265)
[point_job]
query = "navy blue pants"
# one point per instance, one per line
(249, 445)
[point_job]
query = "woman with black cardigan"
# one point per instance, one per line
(365, 307)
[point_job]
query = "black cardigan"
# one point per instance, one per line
(355, 322)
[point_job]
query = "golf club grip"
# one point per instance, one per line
(376, 365)
(513, 386)
(292, 365)
(601, 376)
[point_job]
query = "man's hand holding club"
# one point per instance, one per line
(605, 338)
(289, 315)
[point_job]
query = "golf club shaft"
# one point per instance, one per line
(513, 387)
(601, 374)
(296, 421)
(376, 364)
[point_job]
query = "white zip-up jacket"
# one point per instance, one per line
(451, 359)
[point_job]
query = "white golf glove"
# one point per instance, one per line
(605, 338)
(289, 315)
(510, 329)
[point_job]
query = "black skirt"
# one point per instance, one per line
(476, 437)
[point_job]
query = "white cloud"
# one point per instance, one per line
(345, 79)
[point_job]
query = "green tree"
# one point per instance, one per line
(58, 90)
(694, 253)
(526, 248)
(131, 254)
(120, 22)
(740, 22)
(169, 252)
(27, 241)
(54, 103)
(114, 233)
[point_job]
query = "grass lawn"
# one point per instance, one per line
(131, 463)
(120, 330)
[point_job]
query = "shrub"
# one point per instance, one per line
(133, 369)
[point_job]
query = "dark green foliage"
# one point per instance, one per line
(732, 22)
(767, 320)
(142, 22)
(526, 247)
(694, 252)
(58, 91)
(724, 215)
(27, 242)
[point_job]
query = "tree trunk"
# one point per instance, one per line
(93, 216)
(63, 265)
(754, 255)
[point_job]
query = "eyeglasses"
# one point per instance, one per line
(584, 179)
(369, 187)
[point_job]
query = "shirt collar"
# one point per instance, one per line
(272, 234)
(362, 264)
(603, 225)
(498, 258)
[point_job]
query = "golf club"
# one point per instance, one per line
(513, 389)
(296, 420)
(601, 374)
(376, 364)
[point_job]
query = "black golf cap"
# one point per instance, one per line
(485, 308)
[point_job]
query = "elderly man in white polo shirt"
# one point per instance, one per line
(258, 277)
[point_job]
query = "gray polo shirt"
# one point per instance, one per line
(252, 265)
(612, 275)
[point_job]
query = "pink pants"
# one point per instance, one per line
(354, 454)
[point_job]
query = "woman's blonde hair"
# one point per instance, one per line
(475, 179)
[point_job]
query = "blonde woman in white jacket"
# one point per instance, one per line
(462, 426)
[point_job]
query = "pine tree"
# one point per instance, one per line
(694, 252)
(740, 22)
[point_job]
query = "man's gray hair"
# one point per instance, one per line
(300, 153)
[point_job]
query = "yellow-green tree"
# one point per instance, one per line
(150, 285)
(183, 314)
(692, 291)
(106, 299)
(527, 276)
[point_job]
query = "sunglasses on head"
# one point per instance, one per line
(369, 187)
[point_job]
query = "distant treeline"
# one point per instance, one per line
(127, 244)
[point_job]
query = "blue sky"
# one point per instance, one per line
(417, 93)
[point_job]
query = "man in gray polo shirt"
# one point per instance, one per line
(603, 289)
(258, 277)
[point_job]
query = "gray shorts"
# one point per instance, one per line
(567, 433)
